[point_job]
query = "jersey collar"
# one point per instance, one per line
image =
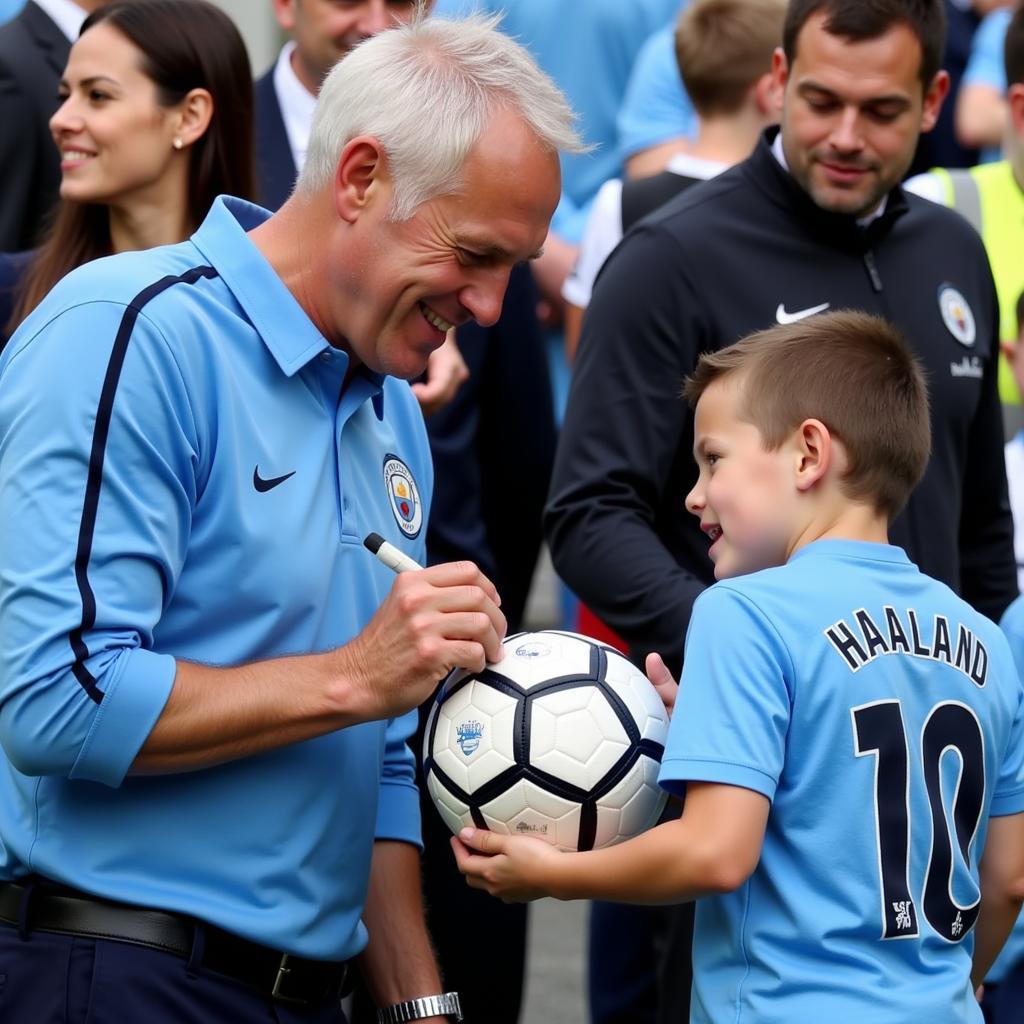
(838, 230)
(281, 322)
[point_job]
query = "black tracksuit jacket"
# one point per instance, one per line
(722, 260)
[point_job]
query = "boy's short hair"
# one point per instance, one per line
(1013, 49)
(852, 371)
(723, 47)
(859, 20)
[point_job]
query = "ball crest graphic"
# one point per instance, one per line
(561, 740)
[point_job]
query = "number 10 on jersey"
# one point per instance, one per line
(950, 729)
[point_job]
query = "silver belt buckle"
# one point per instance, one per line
(283, 970)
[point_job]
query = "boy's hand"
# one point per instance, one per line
(516, 869)
(667, 687)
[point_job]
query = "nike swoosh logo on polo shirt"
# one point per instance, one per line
(791, 318)
(262, 485)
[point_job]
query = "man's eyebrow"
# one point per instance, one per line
(492, 251)
(823, 90)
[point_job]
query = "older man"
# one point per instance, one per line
(204, 676)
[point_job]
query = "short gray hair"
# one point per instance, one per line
(425, 90)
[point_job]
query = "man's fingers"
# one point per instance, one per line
(457, 574)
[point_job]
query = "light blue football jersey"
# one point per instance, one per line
(882, 716)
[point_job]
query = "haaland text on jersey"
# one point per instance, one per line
(866, 640)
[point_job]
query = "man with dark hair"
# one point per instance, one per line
(813, 220)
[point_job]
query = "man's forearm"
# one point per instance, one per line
(398, 962)
(219, 714)
(431, 621)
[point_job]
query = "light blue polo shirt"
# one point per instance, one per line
(181, 476)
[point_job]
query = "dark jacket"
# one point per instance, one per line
(275, 167)
(714, 264)
(33, 53)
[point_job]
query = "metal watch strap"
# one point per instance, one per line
(444, 1005)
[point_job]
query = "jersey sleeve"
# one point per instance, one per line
(602, 233)
(398, 809)
(655, 107)
(98, 454)
(732, 713)
(985, 65)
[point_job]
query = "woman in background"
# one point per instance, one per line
(156, 120)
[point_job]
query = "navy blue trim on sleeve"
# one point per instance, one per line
(95, 477)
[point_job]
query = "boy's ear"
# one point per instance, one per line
(815, 453)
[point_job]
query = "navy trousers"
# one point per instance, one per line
(59, 979)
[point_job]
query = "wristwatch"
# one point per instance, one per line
(444, 1005)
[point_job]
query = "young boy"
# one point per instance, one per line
(848, 732)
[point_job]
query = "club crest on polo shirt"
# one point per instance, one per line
(404, 495)
(957, 315)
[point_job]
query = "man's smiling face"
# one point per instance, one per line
(450, 261)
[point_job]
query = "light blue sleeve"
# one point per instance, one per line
(986, 65)
(655, 107)
(95, 518)
(734, 704)
(398, 809)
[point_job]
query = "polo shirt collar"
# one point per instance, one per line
(278, 318)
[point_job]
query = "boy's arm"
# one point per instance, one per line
(1002, 890)
(713, 847)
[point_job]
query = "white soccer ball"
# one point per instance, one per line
(561, 740)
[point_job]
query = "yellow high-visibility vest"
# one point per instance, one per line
(990, 198)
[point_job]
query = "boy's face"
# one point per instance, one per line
(745, 495)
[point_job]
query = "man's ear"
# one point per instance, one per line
(779, 78)
(933, 97)
(815, 453)
(284, 11)
(360, 177)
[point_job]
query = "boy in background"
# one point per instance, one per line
(850, 734)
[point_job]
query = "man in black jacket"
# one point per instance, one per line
(33, 51)
(814, 220)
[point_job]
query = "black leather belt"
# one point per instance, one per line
(68, 912)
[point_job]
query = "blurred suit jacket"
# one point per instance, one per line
(275, 167)
(33, 54)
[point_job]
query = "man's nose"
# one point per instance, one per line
(846, 136)
(484, 298)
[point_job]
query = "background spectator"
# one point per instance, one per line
(155, 121)
(33, 51)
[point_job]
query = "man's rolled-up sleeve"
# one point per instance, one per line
(98, 457)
